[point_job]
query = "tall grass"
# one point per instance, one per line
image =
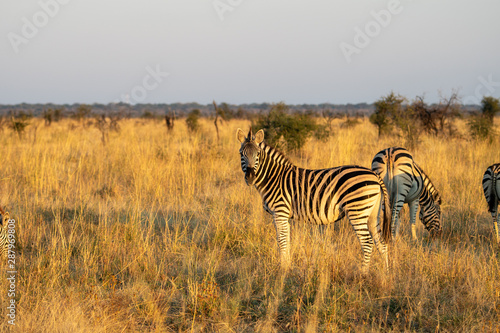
(157, 231)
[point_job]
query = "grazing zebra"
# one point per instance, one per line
(316, 196)
(491, 188)
(407, 183)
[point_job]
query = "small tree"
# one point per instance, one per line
(446, 111)
(225, 112)
(48, 116)
(103, 126)
(169, 120)
(192, 120)
(3, 121)
(57, 114)
(481, 125)
(114, 118)
(82, 112)
(387, 111)
(19, 122)
(425, 115)
(222, 112)
(490, 107)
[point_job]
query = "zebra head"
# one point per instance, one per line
(430, 215)
(249, 153)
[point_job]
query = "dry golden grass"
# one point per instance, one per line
(158, 232)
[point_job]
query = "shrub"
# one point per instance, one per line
(19, 122)
(147, 114)
(489, 107)
(192, 120)
(290, 131)
(83, 111)
(481, 125)
(58, 114)
(350, 122)
(48, 116)
(225, 112)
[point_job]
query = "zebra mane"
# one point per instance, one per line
(434, 193)
(275, 154)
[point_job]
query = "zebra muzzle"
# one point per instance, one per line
(250, 178)
(435, 233)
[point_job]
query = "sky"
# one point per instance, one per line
(247, 51)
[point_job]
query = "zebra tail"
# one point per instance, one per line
(387, 221)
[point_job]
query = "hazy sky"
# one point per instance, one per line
(243, 51)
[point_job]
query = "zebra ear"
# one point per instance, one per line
(259, 136)
(240, 135)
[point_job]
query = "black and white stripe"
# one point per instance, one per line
(316, 196)
(3, 234)
(491, 188)
(407, 183)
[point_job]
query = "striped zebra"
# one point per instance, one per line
(491, 188)
(315, 196)
(407, 183)
(4, 217)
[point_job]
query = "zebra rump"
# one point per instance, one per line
(489, 186)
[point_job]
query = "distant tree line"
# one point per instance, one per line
(287, 126)
(394, 114)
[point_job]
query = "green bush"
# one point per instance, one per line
(287, 131)
(19, 122)
(192, 120)
(481, 125)
(489, 107)
(388, 112)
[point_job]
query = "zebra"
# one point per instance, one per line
(407, 183)
(318, 196)
(491, 188)
(4, 244)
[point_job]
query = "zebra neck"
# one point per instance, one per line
(429, 192)
(272, 167)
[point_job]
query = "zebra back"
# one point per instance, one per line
(428, 188)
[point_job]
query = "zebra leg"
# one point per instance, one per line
(360, 227)
(395, 220)
(376, 233)
(367, 247)
(283, 238)
(413, 218)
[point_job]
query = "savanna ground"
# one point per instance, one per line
(158, 231)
